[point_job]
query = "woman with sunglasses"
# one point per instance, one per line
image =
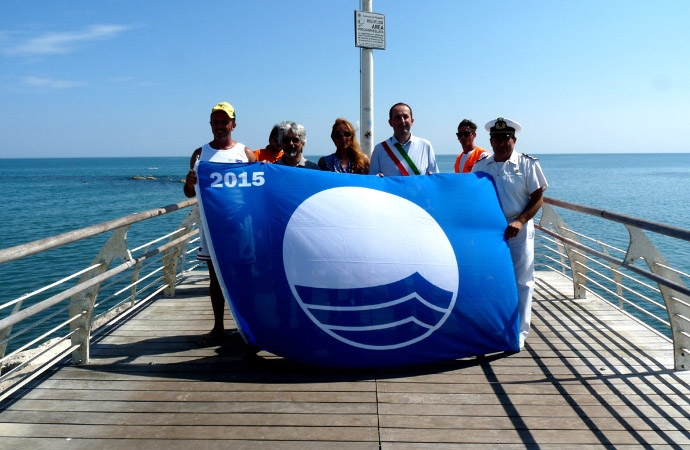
(348, 158)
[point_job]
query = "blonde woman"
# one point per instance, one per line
(348, 158)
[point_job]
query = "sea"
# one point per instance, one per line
(45, 197)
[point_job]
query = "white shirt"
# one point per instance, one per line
(419, 150)
(236, 154)
(516, 179)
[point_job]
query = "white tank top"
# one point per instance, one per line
(236, 154)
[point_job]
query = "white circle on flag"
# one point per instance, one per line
(349, 238)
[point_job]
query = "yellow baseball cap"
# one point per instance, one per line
(226, 108)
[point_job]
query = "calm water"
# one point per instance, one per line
(44, 197)
(648, 186)
(51, 196)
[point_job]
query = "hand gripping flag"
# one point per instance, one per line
(360, 271)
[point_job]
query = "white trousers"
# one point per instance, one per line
(522, 253)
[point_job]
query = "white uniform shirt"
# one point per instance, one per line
(515, 180)
(419, 150)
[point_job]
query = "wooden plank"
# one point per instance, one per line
(211, 386)
(565, 423)
(569, 439)
(200, 396)
(194, 407)
(192, 444)
(230, 432)
(650, 412)
(187, 419)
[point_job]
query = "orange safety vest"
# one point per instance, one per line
(474, 156)
(264, 154)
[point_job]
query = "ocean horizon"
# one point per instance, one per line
(316, 156)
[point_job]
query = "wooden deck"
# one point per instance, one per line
(588, 377)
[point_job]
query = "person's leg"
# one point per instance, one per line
(522, 253)
(217, 300)
(217, 334)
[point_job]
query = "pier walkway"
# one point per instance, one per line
(589, 377)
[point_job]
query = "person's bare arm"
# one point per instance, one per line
(190, 181)
(251, 157)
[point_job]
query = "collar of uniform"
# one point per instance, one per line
(513, 159)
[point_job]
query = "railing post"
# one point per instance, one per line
(677, 303)
(136, 270)
(171, 256)
(83, 303)
(4, 333)
(578, 263)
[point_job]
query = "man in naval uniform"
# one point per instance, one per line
(520, 184)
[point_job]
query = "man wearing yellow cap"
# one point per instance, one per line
(520, 184)
(222, 149)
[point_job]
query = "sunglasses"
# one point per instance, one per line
(340, 134)
(464, 134)
(293, 140)
(502, 137)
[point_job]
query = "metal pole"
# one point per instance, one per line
(366, 104)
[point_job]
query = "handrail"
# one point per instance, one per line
(672, 292)
(47, 303)
(78, 303)
(656, 227)
(649, 275)
(41, 245)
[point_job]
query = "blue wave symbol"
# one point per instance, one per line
(386, 316)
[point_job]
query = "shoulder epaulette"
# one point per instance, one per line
(530, 157)
(484, 156)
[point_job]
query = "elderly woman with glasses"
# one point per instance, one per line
(348, 158)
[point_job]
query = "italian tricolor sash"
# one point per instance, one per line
(398, 163)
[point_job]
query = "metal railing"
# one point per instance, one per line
(656, 294)
(48, 324)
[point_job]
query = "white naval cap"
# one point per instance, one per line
(502, 126)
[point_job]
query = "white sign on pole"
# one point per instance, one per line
(370, 30)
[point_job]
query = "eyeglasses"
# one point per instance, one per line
(464, 134)
(502, 137)
(340, 134)
(293, 140)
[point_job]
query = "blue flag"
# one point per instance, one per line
(361, 271)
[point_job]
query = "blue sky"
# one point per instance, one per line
(133, 78)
